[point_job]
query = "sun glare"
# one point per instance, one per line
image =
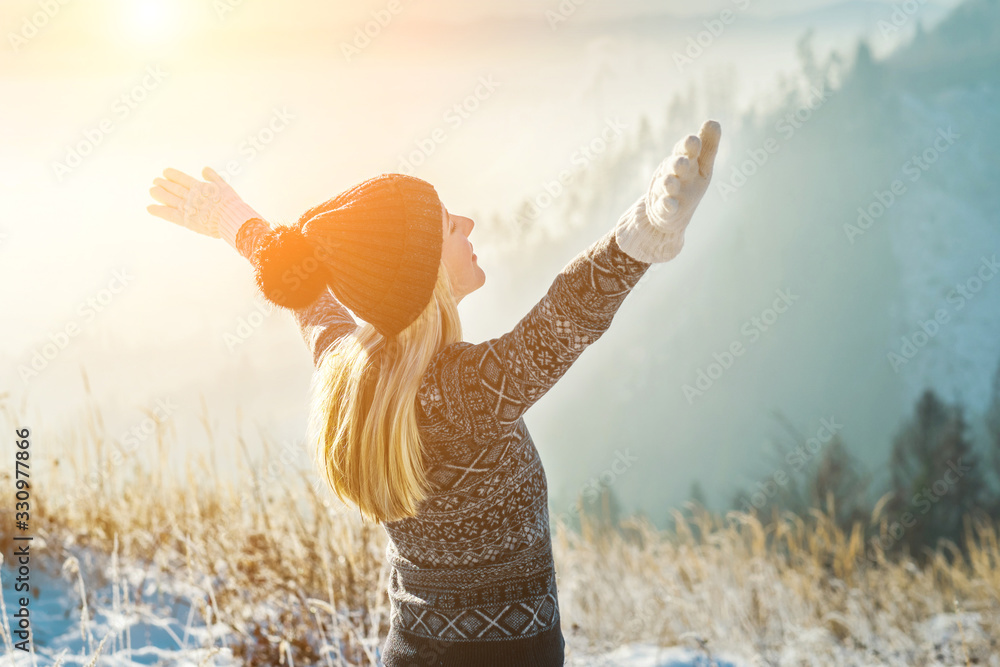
(152, 20)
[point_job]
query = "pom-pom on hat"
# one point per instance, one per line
(377, 246)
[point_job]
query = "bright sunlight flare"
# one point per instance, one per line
(152, 20)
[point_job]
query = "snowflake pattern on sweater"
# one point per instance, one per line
(475, 563)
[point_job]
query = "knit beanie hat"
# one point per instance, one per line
(377, 246)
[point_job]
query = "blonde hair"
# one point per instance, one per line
(362, 414)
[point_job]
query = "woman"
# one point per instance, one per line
(421, 430)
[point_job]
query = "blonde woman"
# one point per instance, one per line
(420, 430)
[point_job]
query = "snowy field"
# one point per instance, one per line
(149, 618)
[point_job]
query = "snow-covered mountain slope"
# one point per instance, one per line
(845, 251)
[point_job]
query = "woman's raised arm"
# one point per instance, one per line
(213, 208)
(506, 375)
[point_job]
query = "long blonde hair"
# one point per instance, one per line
(362, 414)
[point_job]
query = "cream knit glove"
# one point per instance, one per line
(211, 208)
(652, 229)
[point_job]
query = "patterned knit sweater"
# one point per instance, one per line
(472, 580)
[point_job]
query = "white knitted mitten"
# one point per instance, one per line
(211, 208)
(652, 229)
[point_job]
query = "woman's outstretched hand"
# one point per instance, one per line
(652, 230)
(682, 179)
(210, 207)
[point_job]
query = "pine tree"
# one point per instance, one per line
(602, 511)
(697, 495)
(936, 478)
(837, 477)
(993, 441)
(695, 505)
(644, 137)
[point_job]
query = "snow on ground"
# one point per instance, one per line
(164, 628)
(159, 630)
(650, 655)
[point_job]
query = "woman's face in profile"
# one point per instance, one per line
(458, 256)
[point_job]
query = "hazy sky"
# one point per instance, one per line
(140, 85)
(229, 66)
(104, 33)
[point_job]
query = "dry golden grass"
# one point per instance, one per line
(797, 589)
(289, 570)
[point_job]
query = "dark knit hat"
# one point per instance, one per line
(377, 246)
